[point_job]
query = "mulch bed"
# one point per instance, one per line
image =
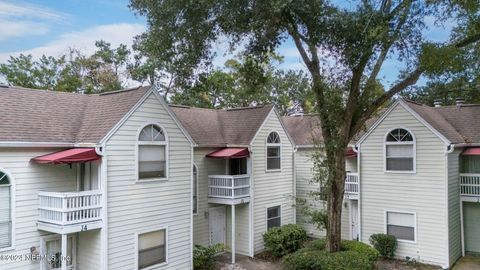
(393, 264)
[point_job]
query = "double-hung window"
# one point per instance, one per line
(152, 153)
(152, 248)
(5, 211)
(401, 225)
(400, 151)
(273, 151)
(274, 217)
(195, 189)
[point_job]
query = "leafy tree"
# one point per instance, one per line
(105, 70)
(357, 40)
(246, 82)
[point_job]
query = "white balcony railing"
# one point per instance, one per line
(470, 184)
(69, 208)
(351, 184)
(229, 186)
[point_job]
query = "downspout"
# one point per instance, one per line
(100, 150)
(251, 206)
(356, 149)
(450, 148)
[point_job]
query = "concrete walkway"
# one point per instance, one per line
(469, 262)
(244, 263)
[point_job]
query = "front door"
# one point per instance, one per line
(217, 220)
(354, 219)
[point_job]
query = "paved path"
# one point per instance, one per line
(469, 262)
(244, 263)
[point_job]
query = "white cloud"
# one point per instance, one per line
(84, 40)
(20, 19)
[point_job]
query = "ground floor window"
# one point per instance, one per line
(274, 218)
(152, 248)
(401, 225)
(51, 246)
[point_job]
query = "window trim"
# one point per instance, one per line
(414, 143)
(43, 248)
(279, 145)
(193, 194)
(266, 214)
(12, 209)
(138, 233)
(386, 211)
(138, 143)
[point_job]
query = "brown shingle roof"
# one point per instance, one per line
(304, 129)
(29, 115)
(210, 127)
(458, 123)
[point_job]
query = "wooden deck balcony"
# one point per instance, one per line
(470, 186)
(229, 189)
(69, 212)
(351, 186)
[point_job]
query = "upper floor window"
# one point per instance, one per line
(400, 151)
(152, 153)
(5, 211)
(273, 151)
(195, 189)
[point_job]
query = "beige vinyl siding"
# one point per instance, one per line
(205, 167)
(89, 250)
(471, 217)
(137, 207)
(29, 179)
(271, 188)
(423, 192)
(304, 171)
(454, 225)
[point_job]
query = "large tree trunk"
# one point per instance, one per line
(336, 180)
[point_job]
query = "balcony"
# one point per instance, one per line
(69, 212)
(351, 186)
(229, 189)
(470, 186)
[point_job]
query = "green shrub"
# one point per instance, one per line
(385, 244)
(307, 259)
(204, 257)
(318, 244)
(362, 248)
(283, 240)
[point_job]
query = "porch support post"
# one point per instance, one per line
(63, 257)
(233, 234)
(462, 236)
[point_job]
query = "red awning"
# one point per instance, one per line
(471, 152)
(74, 155)
(350, 153)
(229, 153)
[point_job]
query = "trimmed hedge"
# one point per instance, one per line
(307, 259)
(286, 239)
(385, 244)
(354, 255)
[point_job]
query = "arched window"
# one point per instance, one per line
(195, 189)
(152, 153)
(273, 151)
(400, 151)
(5, 211)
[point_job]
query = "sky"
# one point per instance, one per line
(50, 27)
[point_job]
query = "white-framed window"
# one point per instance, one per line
(195, 189)
(152, 248)
(274, 217)
(273, 151)
(6, 212)
(152, 153)
(51, 246)
(402, 225)
(400, 151)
